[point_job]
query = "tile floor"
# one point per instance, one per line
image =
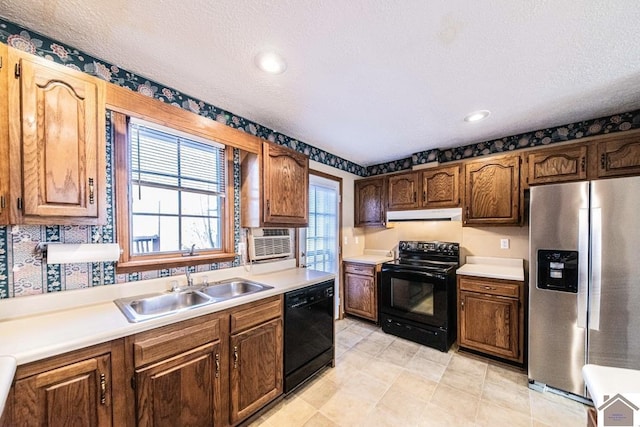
(381, 380)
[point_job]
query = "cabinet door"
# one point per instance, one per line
(57, 118)
(180, 391)
(78, 394)
(4, 136)
(492, 191)
(489, 324)
(256, 368)
(286, 186)
(619, 156)
(558, 165)
(403, 191)
(441, 188)
(360, 296)
(370, 202)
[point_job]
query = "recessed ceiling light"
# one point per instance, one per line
(270, 62)
(477, 115)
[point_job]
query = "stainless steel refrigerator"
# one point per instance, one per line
(584, 280)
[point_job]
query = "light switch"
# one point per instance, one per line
(504, 243)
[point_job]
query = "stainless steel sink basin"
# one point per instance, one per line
(233, 288)
(145, 307)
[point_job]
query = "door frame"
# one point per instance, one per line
(338, 180)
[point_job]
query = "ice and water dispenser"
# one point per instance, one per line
(558, 270)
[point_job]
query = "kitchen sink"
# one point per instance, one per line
(233, 288)
(150, 306)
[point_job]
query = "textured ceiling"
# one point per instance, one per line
(370, 80)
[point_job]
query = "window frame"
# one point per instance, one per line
(129, 262)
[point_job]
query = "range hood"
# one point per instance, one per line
(451, 214)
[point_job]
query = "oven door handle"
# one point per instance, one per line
(419, 273)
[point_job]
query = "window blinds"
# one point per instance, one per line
(165, 158)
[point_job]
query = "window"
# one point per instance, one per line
(172, 188)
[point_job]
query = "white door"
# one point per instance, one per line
(319, 243)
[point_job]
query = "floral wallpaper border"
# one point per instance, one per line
(574, 131)
(37, 44)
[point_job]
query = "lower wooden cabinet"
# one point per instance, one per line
(256, 368)
(213, 370)
(75, 389)
(256, 364)
(361, 290)
(183, 390)
(491, 317)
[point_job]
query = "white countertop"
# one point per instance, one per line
(371, 256)
(493, 268)
(608, 381)
(25, 339)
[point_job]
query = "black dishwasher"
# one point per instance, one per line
(308, 332)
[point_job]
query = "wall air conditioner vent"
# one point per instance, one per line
(269, 243)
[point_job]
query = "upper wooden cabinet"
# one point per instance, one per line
(4, 135)
(430, 188)
(275, 188)
(370, 202)
(56, 143)
(562, 164)
(619, 155)
(403, 191)
(441, 187)
(492, 191)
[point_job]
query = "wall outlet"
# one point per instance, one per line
(356, 240)
(345, 240)
(504, 243)
(242, 247)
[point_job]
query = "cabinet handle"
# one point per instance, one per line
(415, 197)
(91, 191)
(2, 202)
(424, 197)
(583, 163)
(603, 161)
(235, 357)
(461, 305)
(489, 288)
(268, 207)
(19, 203)
(217, 365)
(103, 389)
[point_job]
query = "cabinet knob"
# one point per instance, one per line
(603, 161)
(217, 365)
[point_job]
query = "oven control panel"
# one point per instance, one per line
(437, 248)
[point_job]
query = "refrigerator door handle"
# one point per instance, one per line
(583, 266)
(596, 269)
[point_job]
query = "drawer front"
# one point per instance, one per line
(255, 314)
(364, 269)
(156, 345)
(491, 287)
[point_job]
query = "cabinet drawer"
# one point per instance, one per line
(161, 343)
(255, 314)
(364, 269)
(491, 287)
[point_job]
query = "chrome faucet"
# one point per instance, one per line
(189, 278)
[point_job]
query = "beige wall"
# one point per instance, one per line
(474, 241)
